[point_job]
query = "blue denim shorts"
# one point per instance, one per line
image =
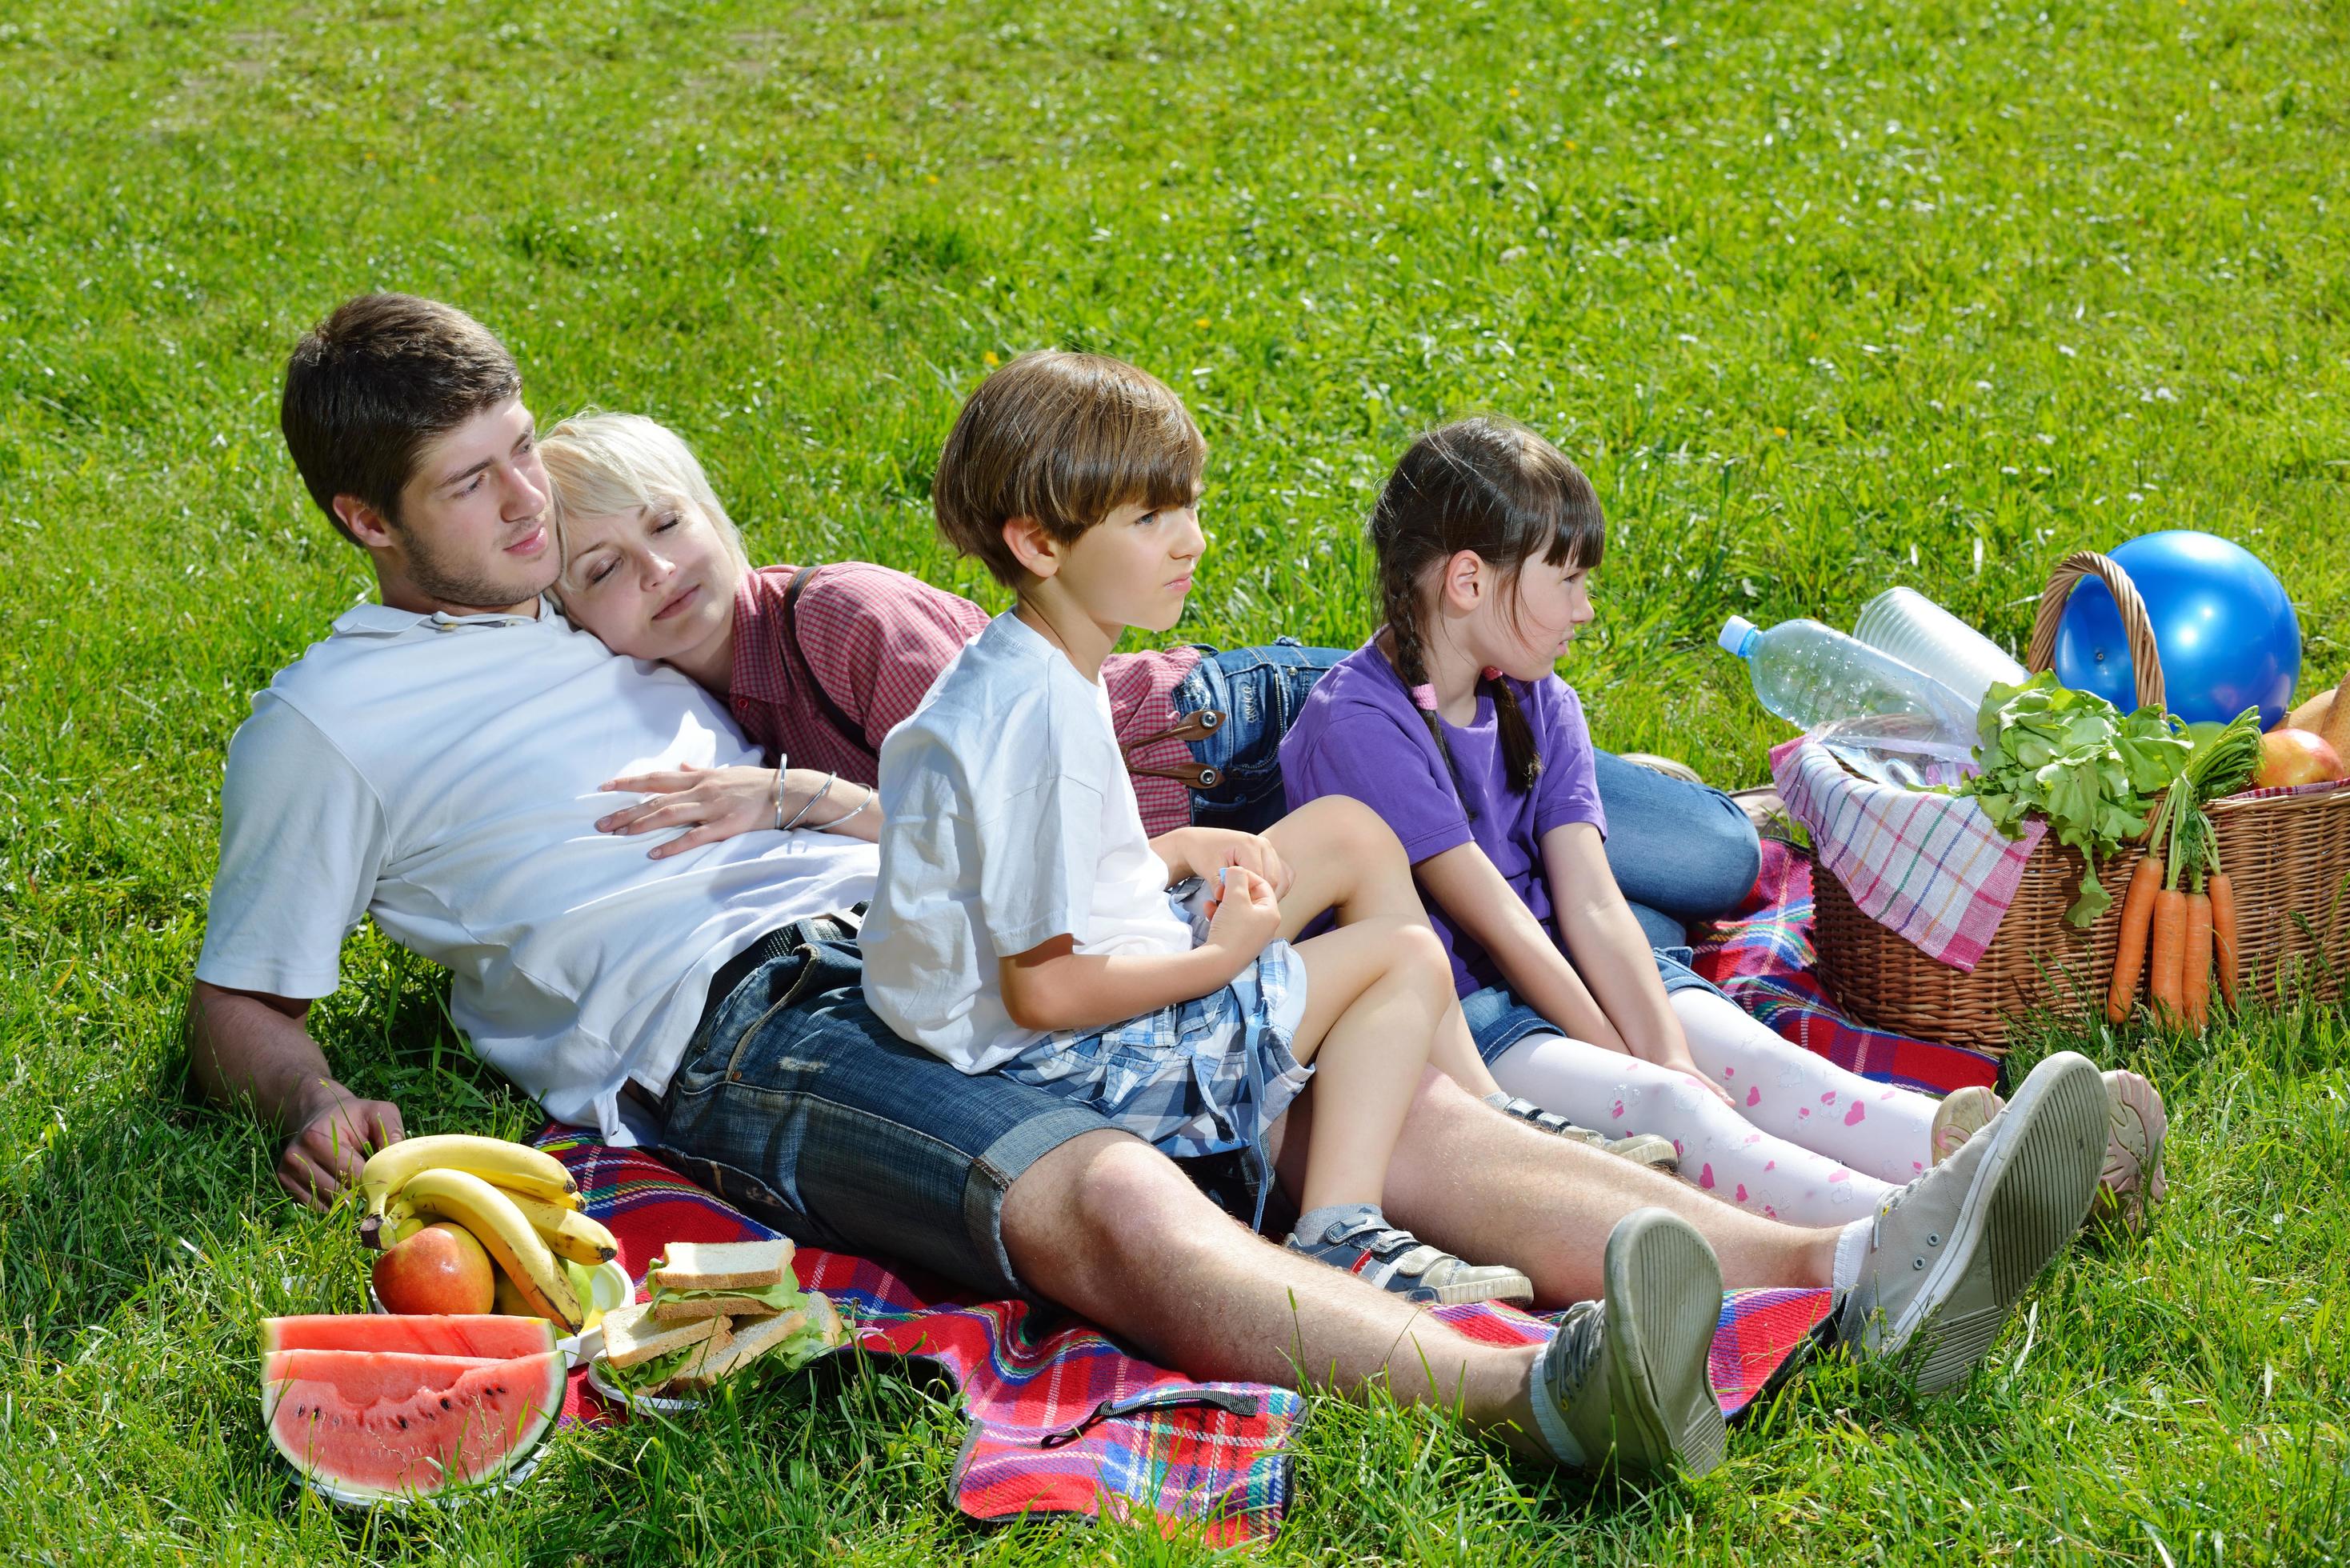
(1498, 1020)
(795, 1103)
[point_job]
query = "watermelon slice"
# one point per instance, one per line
(487, 1335)
(381, 1424)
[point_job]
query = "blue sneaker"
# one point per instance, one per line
(1397, 1261)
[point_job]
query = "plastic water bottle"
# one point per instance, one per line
(1924, 636)
(1810, 675)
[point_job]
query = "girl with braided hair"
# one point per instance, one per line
(1452, 724)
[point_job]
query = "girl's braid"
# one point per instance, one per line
(1403, 623)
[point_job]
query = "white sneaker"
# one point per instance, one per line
(1958, 1117)
(1950, 1252)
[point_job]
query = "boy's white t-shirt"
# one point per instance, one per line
(1008, 820)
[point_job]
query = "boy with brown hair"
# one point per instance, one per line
(1024, 924)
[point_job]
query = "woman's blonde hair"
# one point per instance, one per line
(600, 464)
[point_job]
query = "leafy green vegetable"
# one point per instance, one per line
(2073, 758)
(781, 1297)
(650, 1376)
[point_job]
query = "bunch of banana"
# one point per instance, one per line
(517, 1201)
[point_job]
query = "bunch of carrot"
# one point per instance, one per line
(2176, 936)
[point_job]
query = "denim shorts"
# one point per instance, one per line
(795, 1103)
(1260, 691)
(1498, 1020)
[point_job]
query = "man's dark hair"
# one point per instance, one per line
(373, 382)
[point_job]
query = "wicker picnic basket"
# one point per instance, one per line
(2288, 855)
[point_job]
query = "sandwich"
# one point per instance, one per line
(646, 1357)
(700, 1280)
(794, 1336)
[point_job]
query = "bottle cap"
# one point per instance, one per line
(1738, 634)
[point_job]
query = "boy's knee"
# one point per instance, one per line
(1344, 826)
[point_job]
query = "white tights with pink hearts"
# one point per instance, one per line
(1808, 1143)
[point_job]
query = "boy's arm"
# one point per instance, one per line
(1053, 987)
(250, 1049)
(1599, 927)
(1478, 900)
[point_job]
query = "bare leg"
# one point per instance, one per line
(1375, 992)
(1110, 1229)
(1342, 859)
(1345, 859)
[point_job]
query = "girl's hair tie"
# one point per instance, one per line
(1492, 672)
(1424, 699)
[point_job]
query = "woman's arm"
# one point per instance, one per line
(1052, 986)
(1479, 903)
(1598, 927)
(719, 803)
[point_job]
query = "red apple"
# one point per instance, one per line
(2296, 757)
(441, 1268)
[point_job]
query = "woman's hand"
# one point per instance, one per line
(719, 803)
(712, 803)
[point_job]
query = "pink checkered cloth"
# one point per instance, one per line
(1932, 867)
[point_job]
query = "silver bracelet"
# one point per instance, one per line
(779, 795)
(871, 794)
(829, 779)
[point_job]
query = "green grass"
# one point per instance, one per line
(1824, 298)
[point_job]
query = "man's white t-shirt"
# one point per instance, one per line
(1007, 820)
(440, 773)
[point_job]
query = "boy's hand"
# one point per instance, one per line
(1247, 916)
(1204, 852)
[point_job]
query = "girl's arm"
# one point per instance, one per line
(1052, 986)
(1598, 927)
(1479, 903)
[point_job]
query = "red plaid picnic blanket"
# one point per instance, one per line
(1932, 867)
(1062, 1421)
(1762, 958)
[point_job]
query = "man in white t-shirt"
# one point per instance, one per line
(436, 762)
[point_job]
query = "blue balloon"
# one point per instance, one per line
(2227, 633)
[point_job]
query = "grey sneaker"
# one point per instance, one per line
(1950, 1252)
(1401, 1262)
(2132, 1182)
(1640, 1148)
(1625, 1380)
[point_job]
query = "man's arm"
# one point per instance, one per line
(250, 1049)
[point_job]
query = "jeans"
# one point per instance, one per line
(1260, 691)
(1680, 852)
(795, 1103)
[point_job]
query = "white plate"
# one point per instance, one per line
(455, 1497)
(628, 1401)
(613, 1288)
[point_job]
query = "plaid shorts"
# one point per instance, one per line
(1195, 1079)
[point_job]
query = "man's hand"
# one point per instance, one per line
(336, 1137)
(1204, 852)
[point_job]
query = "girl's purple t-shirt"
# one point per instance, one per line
(1359, 735)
